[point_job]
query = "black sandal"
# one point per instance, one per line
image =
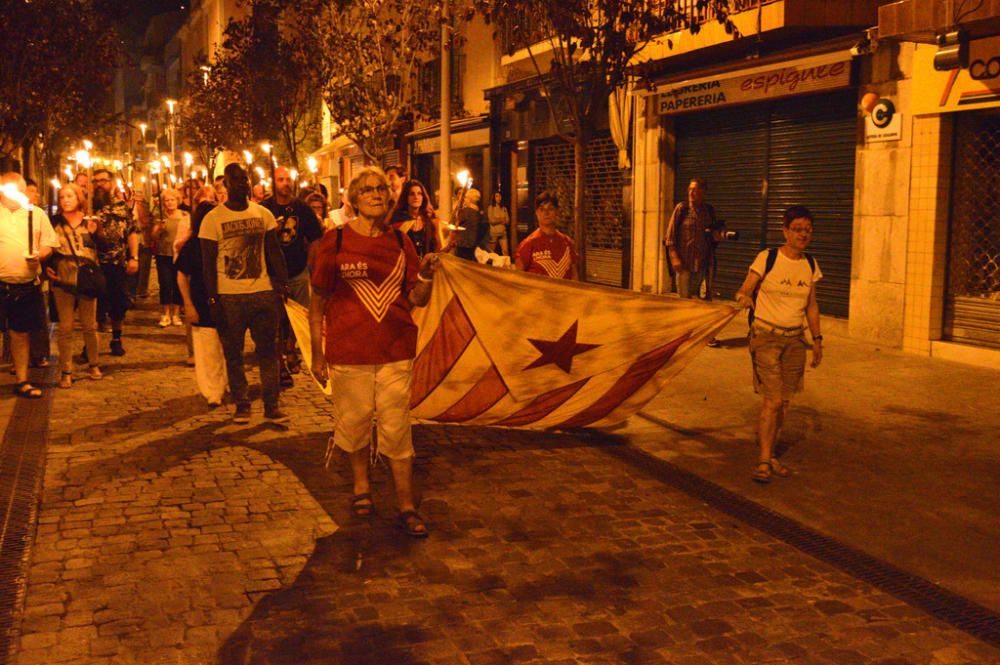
(362, 505)
(25, 389)
(412, 523)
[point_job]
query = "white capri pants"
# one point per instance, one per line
(209, 364)
(362, 392)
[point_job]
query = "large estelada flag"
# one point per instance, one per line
(504, 347)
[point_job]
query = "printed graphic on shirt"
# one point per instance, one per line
(377, 298)
(242, 248)
(288, 229)
(551, 267)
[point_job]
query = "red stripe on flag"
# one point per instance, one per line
(641, 371)
(542, 405)
(487, 392)
(454, 333)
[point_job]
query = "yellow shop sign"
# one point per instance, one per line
(977, 87)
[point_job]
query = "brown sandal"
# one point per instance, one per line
(762, 473)
(412, 523)
(780, 469)
(362, 505)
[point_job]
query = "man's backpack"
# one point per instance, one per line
(772, 256)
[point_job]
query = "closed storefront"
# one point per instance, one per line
(602, 214)
(759, 159)
(972, 299)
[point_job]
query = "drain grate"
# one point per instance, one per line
(933, 599)
(22, 461)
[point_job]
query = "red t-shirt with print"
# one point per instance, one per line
(551, 255)
(367, 314)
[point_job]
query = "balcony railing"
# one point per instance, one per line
(517, 33)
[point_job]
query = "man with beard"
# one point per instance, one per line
(117, 252)
(244, 273)
(297, 229)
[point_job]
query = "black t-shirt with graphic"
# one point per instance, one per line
(297, 227)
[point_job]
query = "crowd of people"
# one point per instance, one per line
(227, 257)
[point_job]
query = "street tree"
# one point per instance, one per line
(582, 51)
(261, 83)
(370, 53)
(57, 62)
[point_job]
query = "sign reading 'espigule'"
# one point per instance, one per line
(754, 86)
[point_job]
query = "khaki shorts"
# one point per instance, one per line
(362, 393)
(779, 363)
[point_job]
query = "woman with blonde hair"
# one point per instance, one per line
(77, 247)
(164, 233)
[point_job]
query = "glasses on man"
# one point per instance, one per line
(101, 181)
(368, 189)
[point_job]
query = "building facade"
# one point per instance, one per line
(816, 107)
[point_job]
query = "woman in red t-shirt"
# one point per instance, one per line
(366, 278)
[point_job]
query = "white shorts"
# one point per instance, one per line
(362, 393)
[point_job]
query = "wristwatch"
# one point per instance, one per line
(817, 338)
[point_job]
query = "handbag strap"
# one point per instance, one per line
(67, 229)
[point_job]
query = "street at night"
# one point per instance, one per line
(476, 332)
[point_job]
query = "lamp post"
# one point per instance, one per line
(171, 103)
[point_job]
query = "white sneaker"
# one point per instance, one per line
(177, 320)
(164, 321)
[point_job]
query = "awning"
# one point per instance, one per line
(458, 125)
(333, 146)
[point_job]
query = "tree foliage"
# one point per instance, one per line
(370, 54)
(57, 62)
(583, 50)
(262, 83)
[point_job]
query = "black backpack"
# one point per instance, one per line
(772, 256)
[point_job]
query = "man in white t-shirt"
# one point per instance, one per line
(22, 310)
(784, 281)
(245, 275)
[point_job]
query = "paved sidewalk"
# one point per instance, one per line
(895, 454)
(168, 535)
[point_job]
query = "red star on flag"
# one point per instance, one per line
(560, 353)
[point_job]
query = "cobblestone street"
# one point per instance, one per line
(168, 535)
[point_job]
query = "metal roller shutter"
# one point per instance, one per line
(603, 214)
(812, 148)
(760, 159)
(972, 304)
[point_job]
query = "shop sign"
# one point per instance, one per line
(977, 87)
(754, 86)
(884, 123)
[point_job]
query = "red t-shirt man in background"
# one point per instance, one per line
(547, 251)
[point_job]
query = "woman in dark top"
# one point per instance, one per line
(414, 216)
(209, 362)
